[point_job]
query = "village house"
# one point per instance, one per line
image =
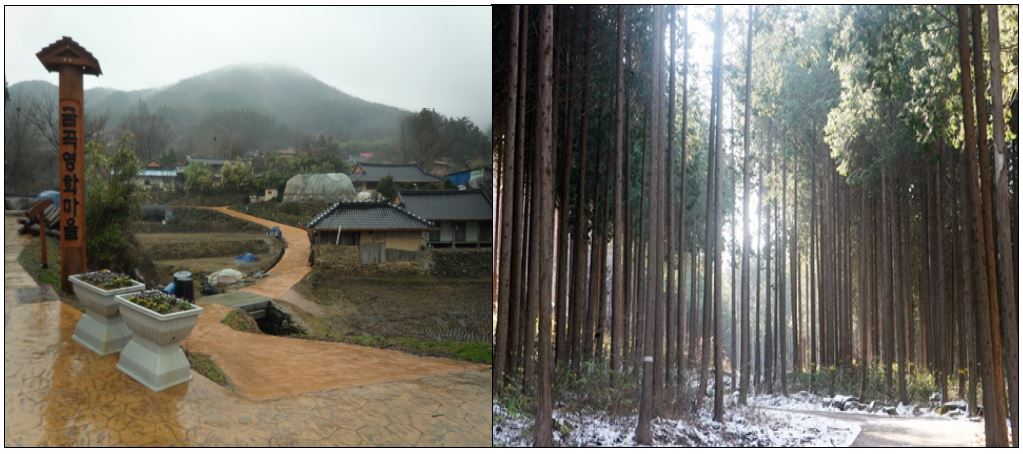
(482, 177)
(155, 176)
(379, 224)
(464, 218)
(366, 176)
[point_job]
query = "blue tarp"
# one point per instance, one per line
(246, 257)
(52, 195)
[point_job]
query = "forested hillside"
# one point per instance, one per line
(231, 112)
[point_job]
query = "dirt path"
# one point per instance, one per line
(261, 366)
(292, 267)
(878, 431)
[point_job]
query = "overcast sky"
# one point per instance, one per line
(408, 57)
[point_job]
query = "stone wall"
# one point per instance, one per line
(437, 262)
(346, 259)
(462, 262)
(336, 257)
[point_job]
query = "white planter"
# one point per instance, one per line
(153, 356)
(101, 328)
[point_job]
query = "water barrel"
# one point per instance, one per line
(183, 287)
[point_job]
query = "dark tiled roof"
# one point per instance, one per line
(401, 173)
(450, 205)
(368, 216)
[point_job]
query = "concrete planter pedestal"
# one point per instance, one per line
(153, 356)
(101, 329)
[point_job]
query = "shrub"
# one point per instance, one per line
(198, 177)
(113, 204)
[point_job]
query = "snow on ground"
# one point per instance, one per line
(848, 404)
(742, 427)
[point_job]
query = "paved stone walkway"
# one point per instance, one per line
(57, 393)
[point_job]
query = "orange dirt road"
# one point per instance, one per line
(261, 366)
(292, 267)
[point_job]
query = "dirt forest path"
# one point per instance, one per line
(898, 431)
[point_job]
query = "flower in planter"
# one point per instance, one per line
(106, 279)
(160, 302)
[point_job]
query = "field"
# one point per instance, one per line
(440, 317)
(202, 241)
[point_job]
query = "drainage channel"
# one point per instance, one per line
(270, 317)
(276, 322)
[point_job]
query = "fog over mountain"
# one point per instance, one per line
(285, 94)
(407, 57)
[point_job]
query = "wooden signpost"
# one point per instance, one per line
(71, 60)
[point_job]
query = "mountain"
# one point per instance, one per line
(290, 99)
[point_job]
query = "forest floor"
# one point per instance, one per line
(748, 427)
(799, 420)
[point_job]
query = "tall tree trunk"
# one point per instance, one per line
(532, 261)
(900, 318)
(987, 315)
(694, 255)
(579, 262)
(648, 404)
(542, 430)
(709, 265)
(797, 365)
(617, 324)
(863, 295)
(758, 357)
(519, 233)
(768, 290)
(814, 274)
(781, 279)
(1006, 268)
(507, 194)
(657, 222)
(719, 391)
(886, 276)
(670, 300)
(682, 196)
(746, 347)
(562, 319)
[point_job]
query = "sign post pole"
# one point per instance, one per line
(71, 61)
